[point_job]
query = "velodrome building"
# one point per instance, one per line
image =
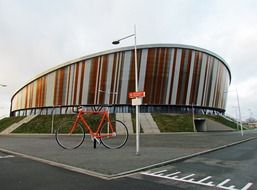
(176, 79)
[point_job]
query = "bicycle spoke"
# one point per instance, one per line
(67, 138)
(114, 139)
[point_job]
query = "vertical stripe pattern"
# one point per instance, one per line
(169, 76)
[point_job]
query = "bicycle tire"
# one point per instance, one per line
(67, 140)
(117, 141)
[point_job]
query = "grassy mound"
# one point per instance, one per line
(222, 120)
(184, 122)
(8, 121)
(166, 122)
(174, 123)
(43, 123)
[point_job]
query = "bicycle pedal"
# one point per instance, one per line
(96, 140)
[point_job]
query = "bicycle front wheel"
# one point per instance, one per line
(116, 138)
(69, 140)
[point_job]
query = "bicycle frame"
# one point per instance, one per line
(96, 134)
(70, 134)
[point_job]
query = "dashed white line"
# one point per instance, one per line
(204, 179)
(173, 174)
(159, 172)
(247, 186)
(7, 156)
(188, 176)
(188, 179)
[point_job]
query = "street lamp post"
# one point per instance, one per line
(3, 85)
(239, 111)
(193, 117)
(237, 117)
(136, 84)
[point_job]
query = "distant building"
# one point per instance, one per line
(175, 78)
(252, 125)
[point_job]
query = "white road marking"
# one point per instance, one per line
(204, 179)
(247, 186)
(7, 156)
(173, 174)
(188, 176)
(159, 172)
(187, 179)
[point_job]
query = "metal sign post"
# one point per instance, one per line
(136, 84)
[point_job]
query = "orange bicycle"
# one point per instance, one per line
(112, 134)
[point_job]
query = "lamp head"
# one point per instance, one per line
(115, 42)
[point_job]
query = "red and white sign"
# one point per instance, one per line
(136, 94)
(136, 101)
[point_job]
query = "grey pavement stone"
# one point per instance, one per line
(154, 148)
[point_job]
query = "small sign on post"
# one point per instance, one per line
(136, 101)
(136, 94)
(136, 97)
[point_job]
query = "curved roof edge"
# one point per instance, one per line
(182, 46)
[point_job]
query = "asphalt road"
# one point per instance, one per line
(231, 168)
(17, 173)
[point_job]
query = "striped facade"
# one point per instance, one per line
(170, 75)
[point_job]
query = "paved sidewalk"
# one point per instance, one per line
(153, 150)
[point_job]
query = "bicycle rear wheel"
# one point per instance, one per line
(119, 136)
(69, 140)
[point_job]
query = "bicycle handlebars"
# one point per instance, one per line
(76, 109)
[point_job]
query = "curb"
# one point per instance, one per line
(127, 173)
(124, 174)
(59, 165)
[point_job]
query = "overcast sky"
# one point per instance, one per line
(36, 35)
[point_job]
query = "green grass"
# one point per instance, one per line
(220, 119)
(166, 122)
(183, 122)
(174, 123)
(8, 121)
(40, 124)
(43, 123)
